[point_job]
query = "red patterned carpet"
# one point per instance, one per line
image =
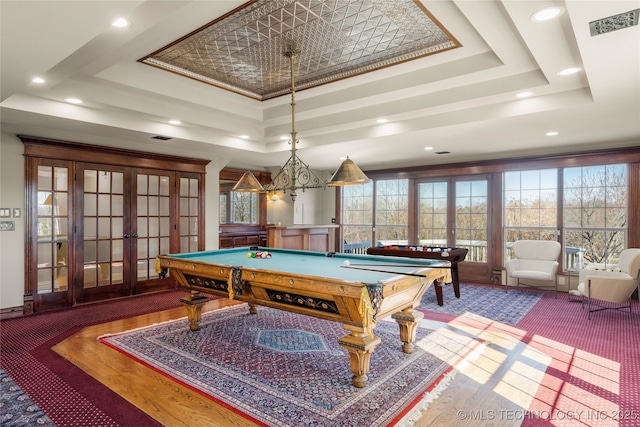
(595, 365)
(68, 395)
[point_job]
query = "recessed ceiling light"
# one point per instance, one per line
(244, 136)
(121, 23)
(73, 100)
(524, 94)
(547, 14)
(569, 71)
(175, 122)
(552, 133)
(428, 148)
(382, 121)
(38, 80)
(284, 137)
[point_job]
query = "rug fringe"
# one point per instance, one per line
(113, 334)
(417, 411)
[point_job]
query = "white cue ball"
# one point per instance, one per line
(346, 262)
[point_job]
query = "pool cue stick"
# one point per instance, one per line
(385, 271)
(401, 265)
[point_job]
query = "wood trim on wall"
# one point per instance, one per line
(634, 206)
(608, 156)
(80, 152)
(235, 175)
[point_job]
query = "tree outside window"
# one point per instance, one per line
(530, 206)
(595, 214)
(357, 216)
(392, 213)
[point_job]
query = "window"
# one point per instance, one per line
(357, 217)
(530, 206)
(239, 208)
(595, 215)
(392, 213)
(223, 207)
(244, 208)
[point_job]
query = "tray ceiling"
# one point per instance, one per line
(243, 51)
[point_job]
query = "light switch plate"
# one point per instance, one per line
(5, 213)
(7, 225)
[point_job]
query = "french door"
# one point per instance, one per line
(454, 213)
(94, 230)
(123, 224)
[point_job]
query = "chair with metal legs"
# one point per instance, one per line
(534, 260)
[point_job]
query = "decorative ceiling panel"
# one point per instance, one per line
(243, 51)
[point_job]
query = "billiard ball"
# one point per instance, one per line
(346, 262)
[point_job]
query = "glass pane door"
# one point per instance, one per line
(471, 224)
(454, 213)
(432, 214)
(153, 226)
(189, 214)
(52, 229)
(105, 235)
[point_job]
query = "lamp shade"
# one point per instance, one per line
(348, 174)
(248, 184)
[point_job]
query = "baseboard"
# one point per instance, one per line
(9, 312)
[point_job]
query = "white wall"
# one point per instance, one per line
(12, 243)
(212, 205)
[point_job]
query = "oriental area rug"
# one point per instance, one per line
(284, 369)
(484, 301)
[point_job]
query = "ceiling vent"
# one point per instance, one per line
(613, 23)
(161, 138)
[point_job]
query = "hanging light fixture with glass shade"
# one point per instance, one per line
(296, 174)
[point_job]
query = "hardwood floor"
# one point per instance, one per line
(492, 384)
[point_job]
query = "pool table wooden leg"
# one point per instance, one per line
(252, 308)
(194, 303)
(455, 278)
(438, 289)
(408, 320)
(359, 345)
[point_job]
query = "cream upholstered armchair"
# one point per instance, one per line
(534, 260)
(612, 287)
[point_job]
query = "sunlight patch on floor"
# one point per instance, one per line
(535, 380)
(521, 382)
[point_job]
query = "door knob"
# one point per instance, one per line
(126, 236)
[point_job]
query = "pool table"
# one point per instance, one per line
(338, 287)
(453, 255)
